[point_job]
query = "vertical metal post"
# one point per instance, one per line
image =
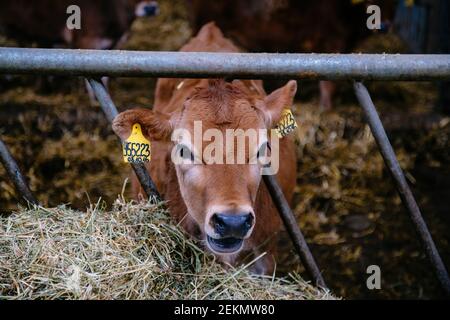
(110, 111)
(293, 230)
(402, 186)
(15, 175)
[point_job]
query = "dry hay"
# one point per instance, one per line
(130, 252)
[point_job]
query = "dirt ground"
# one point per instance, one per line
(345, 201)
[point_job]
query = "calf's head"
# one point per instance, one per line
(217, 158)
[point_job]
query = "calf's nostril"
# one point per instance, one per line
(216, 220)
(249, 221)
(218, 223)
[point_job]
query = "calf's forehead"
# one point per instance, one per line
(228, 114)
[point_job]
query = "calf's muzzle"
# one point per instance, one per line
(232, 225)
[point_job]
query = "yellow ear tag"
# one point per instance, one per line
(136, 148)
(286, 124)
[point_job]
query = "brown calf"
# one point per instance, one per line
(224, 205)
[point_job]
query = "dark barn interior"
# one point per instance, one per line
(345, 201)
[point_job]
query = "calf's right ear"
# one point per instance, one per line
(155, 125)
(279, 100)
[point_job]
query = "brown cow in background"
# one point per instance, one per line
(104, 23)
(320, 26)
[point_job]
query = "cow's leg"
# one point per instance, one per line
(327, 89)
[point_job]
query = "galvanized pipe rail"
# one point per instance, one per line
(98, 63)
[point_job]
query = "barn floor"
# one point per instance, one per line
(345, 200)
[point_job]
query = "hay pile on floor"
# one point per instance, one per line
(130, 252)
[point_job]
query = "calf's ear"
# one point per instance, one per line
(155, 125)
(278, 100)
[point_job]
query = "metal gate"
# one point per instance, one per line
(94, 64)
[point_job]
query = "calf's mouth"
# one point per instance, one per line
(225, 245)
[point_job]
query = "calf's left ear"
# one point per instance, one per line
(155, 125)
(278, 100)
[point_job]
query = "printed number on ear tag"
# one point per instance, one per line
(286, 124)
(136, 148)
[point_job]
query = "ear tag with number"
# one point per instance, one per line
(136, 148)
(286, 124)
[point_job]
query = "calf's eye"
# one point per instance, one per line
(185, 153)
(264, 150)
(263, 154)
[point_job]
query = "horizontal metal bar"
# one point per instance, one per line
(293, 230)
(110, 111)
(237, 65)
(13, 171)
(406, 195)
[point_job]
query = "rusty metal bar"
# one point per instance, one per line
(97, 63)
(15, 175)
(293, 230)
(406, 195)
(110, 111)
